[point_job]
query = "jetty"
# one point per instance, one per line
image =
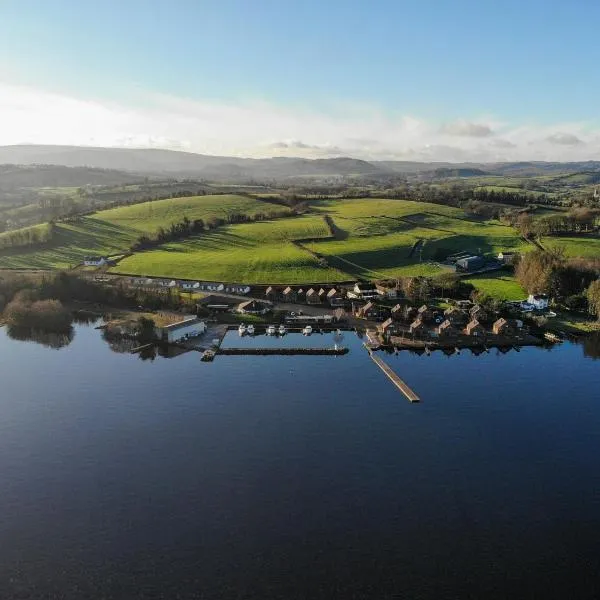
(282, 351)
(410, 395)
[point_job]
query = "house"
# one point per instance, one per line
(397, 312)
(505, 327)
(253, 307)
(365, 291)
(182, 330)
(289, 295)
(336, 298)
(456, 316)
(368, 311)
(389, 327)
(388, 291)
(538, 301)
(271, 293)
(189, 285)
(301, 293)
(475, 328)
(470, 263)
(424, 313)
(478, 313)
(507, 258)
(95, 261)
(312, 297)
(446, 329)
(417, 327)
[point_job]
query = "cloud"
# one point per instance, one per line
(466, 129)
(260, 129)
(564, 139)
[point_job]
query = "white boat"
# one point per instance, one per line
(250, 329)
(307, 330)
(271, 330)
(242, 329)
(282, 330)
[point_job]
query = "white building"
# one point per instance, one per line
(538, 301)
(365, 291)
(189, 285)
(95, 261)
(176, 332)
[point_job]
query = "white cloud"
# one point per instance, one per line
(259, 129)
(466, 129)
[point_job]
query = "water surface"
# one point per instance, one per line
(297, 477)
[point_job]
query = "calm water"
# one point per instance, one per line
(297, 477)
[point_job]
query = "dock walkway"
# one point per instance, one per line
(410, 395)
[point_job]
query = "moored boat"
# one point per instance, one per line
(282, 330)
(307, 330)
(242, 329)
(250, 329)
(271, 330)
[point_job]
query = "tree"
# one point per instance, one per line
(593, 297)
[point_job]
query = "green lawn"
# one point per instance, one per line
(504, 287)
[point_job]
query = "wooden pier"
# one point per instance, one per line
(282, 351)
(410, 395)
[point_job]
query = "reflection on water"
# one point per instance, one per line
(591, 346)
(56, 341)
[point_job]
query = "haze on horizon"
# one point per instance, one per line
(417, 80)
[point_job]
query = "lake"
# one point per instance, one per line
(278, 477)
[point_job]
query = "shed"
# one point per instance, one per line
(312, 297)
(289, 294)
(389, 327)
(470, 263)
(271, 293)
(504, 327)
(446, 329)
(417, 327)
(181, 330)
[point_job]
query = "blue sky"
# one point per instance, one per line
(448, 80)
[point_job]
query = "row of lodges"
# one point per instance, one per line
(509, 328)
(334, 297)
(401, 312)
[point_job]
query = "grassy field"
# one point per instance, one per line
(585, 246)
(376, 238)
(373, 239)
(502, 286)
(113, 231)
(249, 252)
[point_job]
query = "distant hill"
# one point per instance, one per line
(233, 169)
(36, 176)
(151, 161)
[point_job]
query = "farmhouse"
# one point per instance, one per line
(253, 307)
(470, 263)
(507, 258)
(389, 327)
(95, 261)
(446, 329)
(538, 301)
(312, 297)
(181, 330)
(289, 295)
(475, 328)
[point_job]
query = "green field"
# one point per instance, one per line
(248, 252)
(113, 231)
(373, 239)
(502, 286)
